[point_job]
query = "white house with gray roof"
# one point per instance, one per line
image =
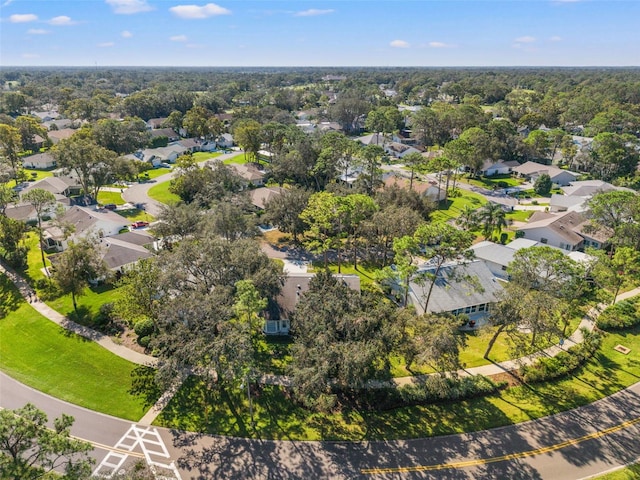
(468, 288)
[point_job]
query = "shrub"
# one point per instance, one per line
(144, 327)
(548, 368)
(144, 341)
(624, 314)
(437, 388)
(105, 314)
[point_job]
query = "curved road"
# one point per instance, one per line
(570, 445)
(138, 192)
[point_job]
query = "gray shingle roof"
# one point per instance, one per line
(477, 286)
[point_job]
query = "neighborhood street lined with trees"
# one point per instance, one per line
(368, 258)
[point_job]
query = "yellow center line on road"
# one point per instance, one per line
(511, 456)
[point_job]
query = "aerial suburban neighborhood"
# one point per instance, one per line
(321, 272)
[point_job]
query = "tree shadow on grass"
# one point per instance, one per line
(10, 298)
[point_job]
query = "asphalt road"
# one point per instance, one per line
(566, 446)
(138, 193)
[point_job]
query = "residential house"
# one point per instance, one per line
(23, 212)
(533, 170)
(568, 231)
(428, 189)
(563, 203)
(156, 156)
(55, 185)
(491, 168)
(46, 116)
(41, 161)
(578, 193)
(156, 123)
(261, 196)
(83, 221)
(120, 254)
(294, 285)
(57, 124)
(56, 135)
(225, 140)
(190, 144)
(468, 288)
(250, 173)
(171, 135)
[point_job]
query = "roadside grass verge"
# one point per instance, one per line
(161, 193)
(226, 412)
(39, 353)
(632, 472)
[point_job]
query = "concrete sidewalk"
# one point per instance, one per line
(86, 332)
(576, 337)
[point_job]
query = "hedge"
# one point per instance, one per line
(624, 314)
(565, 362)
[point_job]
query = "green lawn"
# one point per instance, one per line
(32, 176)
(134, 214)
(226, 412)
(88, 304)
(497, 181)
(632, 472)
(519, 215)
(41, 354)
(110, 197)
(454, 206)
(204, 156)
(162, 194)
(154, 173)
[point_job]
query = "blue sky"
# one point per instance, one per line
(319, 33)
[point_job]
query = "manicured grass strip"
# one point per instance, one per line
(203, 156)
(154, 173)
(632, 472)
(41, 354)
(162, 194)
(196, 407)
(110, 197)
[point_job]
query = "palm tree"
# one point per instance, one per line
(492, 219)
(468, 218)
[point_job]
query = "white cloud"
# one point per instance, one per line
(23, 18)
(313, 12)
(30, 55)
(126, 34)
(196, 12)
(440, 45)
(61, 21)
(399, 44)
(7, 3)
(525, 39)
(178, 38)
(556, 38)
(106, 44)
(37, 31)
(129, 7)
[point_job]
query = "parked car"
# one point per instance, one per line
(110, 206)
(140, 224)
